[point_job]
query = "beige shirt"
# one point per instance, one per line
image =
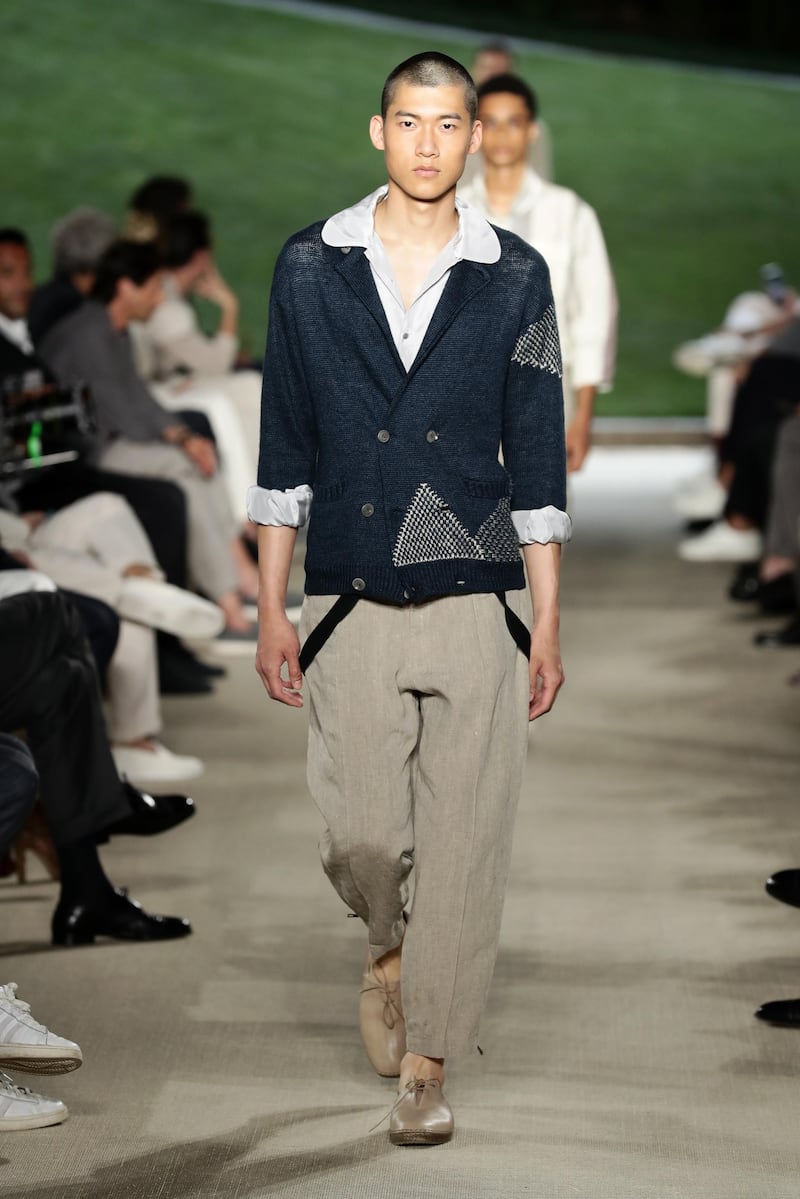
(566, 232)
(172, 340)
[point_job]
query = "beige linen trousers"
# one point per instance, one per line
(418, 725)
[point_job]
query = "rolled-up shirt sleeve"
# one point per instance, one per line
(542, 525)
(270, 506)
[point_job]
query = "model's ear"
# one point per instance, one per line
(376, 133)
(476, 137)
(533, 132)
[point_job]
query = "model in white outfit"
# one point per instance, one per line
(566, 232)
(98, 548)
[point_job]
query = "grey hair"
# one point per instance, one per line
(431, 69)
(79, 240)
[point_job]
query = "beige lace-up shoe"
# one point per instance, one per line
(380, 1018)
(422, 1115)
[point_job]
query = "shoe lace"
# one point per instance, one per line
(415, 1087)
(10, 1088)
(9, 991)
(392, 1012)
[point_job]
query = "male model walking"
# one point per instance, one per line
(409, 341)
(566, 232)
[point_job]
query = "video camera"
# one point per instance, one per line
(41, 424)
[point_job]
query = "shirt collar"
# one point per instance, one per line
(525, 200)
(476, 240)
(17, 333)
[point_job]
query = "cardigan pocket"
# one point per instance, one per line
(325, 492)
(488, 489)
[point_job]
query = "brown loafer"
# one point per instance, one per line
(380, 1018)
(422, 1115)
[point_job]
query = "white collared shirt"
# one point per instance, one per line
(474, 240)
(16, 332)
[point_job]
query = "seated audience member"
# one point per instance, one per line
(158, 504)
(27, 1045)
(768, 395)
(19, 785)
(153, 203)
(48, 689)
(97, 547)
(186, 366)
(778, 583)
(77, 243)
(752, 321)
(136, 435)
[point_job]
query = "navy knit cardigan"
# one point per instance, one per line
(410, 500)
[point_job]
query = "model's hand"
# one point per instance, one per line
(278, 643)
(200, 451)
(579, 441)
(547, 673)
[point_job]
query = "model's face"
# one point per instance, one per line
(426, 137)
(141, 300)
(507, 129)
(16, 281)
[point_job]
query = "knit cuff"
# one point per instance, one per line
(542, 525)
(273, 507)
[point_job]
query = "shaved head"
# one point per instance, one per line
(431, 69)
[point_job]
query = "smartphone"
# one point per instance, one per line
(773, 282)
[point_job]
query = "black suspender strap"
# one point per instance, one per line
(321, 632)
(515, 626)
(345, 604)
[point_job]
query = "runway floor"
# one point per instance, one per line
(622, 1060)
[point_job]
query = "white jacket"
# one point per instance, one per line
(566, 232)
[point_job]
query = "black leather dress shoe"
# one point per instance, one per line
(119, 917)
(777, 595)
(784, 885)
(783, 1012)
(777, 638)
(150, 814)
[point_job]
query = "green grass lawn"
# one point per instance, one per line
(694, 176)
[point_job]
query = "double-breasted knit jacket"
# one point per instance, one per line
(410, 498)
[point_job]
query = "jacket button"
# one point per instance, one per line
(367, 509)
(384, 435)
(358, 584)
(431, 436)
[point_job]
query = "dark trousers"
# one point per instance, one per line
(19, 783)
(48, 688)
(767, 397)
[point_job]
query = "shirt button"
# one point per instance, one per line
(431, 436)
(405, 337)
(384, 435)
(358, 584)
(367, 509)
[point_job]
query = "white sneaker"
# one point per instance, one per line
(21, 1108)
(27, 1045)
(722, 543)
(171, 609)
(701, 499)
(157, 765)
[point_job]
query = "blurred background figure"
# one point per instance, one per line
(566, 232)
(77, 243)
(153, 203)
(186, 367)
(496, 58)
